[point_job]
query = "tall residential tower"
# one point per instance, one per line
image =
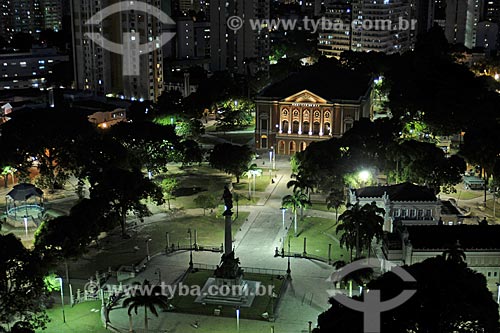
(101, 71)
(244, 50)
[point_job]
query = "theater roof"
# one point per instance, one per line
(340, 84)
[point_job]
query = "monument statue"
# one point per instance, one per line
(228, 267)
(227, 196)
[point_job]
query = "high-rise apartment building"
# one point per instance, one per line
(193, 39)
(29, 17)
(332, 42)
(244, 50)
(101, 71)
(368, 25)
(383, 38)
(468, 22)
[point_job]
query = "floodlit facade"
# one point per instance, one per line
(308, 107)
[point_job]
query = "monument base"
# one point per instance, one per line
(235, 292)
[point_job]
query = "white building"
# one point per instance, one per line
(101, 71)
(404, 203)
(28, 70)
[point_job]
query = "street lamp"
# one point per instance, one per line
(62, 298)
(26, 224)
(238, 319)
(147, 248)
(364, 175)
(283, 210)
(190, 249)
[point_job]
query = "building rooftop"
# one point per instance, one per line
(399, 192)
(332, 85)
(471, 237)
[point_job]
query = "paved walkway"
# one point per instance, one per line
(255, 242)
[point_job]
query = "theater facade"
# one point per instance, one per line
(309, 107)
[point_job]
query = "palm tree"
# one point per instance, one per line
(455, 254)
(300, 184)
(295, 201)
(360, 225)
(148, 297)
(334, 200)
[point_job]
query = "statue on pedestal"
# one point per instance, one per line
(228, 267)
(227, 196)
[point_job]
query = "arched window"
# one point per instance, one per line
(293, 147)
(263, 141)
(316, 126)
(295, 127)
(306, 127)
(284, 126)
(327, 128)
(281, 148)
(303, 146)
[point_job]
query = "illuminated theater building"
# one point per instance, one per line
(310, 106)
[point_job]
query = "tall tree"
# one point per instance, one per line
(232, 159)
(22, 291)
(295, 201)
(335, 199)
(449, 298)
(125, 191)
(360, 225)
(169, 185)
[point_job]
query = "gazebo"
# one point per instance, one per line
(26, 198)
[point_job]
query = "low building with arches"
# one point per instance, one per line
(310, 106)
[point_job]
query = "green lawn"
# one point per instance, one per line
(118, 251)
(489, 210)
(210, 181)
(79, 319)
(210, 228)
(319, 233)
(463, 194)
(319, 205)
(261, 304)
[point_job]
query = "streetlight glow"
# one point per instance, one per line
(364, 176)
(62, 298)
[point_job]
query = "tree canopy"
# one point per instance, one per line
(449, 298)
